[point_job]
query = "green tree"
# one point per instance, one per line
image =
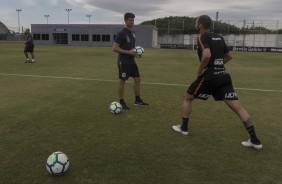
(186, 25)
(173, 25)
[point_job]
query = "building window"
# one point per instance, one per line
(45, 36)
(75, 37)
(84, 37)
(36, 36)
(96, 38)
(115, 36)
(106, 38)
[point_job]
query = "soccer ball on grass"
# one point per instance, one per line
(57, 163)
(115, 108)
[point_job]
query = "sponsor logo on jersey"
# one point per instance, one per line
(218, 62)
(219, 72)
(216, 39)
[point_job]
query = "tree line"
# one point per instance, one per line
(186, 25)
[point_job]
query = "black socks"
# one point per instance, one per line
(252, 133)
(121, 101)
(251, 130)
(137, 99)
(184, 125)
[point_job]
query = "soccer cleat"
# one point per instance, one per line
(140, 102)
(249, 144)
(178, 129)
(27, 61)
(124, 106)
(32, 61)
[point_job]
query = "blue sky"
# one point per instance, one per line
(111, 11)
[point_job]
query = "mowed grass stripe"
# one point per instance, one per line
(149, 83)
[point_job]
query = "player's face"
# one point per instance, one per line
(129, 22)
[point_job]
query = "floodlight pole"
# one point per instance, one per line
(277, 26)
(68, 10)
(216, 16)
(89, 16)
(244, 33)
(47, 16)
(19, 10)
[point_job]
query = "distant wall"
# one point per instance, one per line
(250, 40)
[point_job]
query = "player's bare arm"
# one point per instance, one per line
(227, 57)
(204, 62)
(116, 48)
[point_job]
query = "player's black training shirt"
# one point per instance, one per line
(30, 39)
(126, 40)
(218, 48)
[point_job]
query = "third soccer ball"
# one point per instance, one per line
(57, 163)
(115, 107)
(139, 50)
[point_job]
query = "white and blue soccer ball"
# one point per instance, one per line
(57, 163)
(139, 50)
(115, 108)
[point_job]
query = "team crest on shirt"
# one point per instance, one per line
(128, 39)
(123, 75)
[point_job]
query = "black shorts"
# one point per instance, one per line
(128, 70)
(219, 87)
(28, 48)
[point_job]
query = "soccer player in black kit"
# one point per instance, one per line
(124, 45)
(29, 46)
(214, 80)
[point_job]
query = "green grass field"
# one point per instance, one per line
(57, 104)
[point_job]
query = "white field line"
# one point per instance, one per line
(106, 80)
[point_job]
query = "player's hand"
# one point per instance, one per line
(132, 52)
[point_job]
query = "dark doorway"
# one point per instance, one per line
(60, 38)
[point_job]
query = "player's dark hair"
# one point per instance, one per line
(205, 20)
(128, 15)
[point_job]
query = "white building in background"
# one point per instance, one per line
(90, 34)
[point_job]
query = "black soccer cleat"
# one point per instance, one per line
(124, 106)
(140, 102)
